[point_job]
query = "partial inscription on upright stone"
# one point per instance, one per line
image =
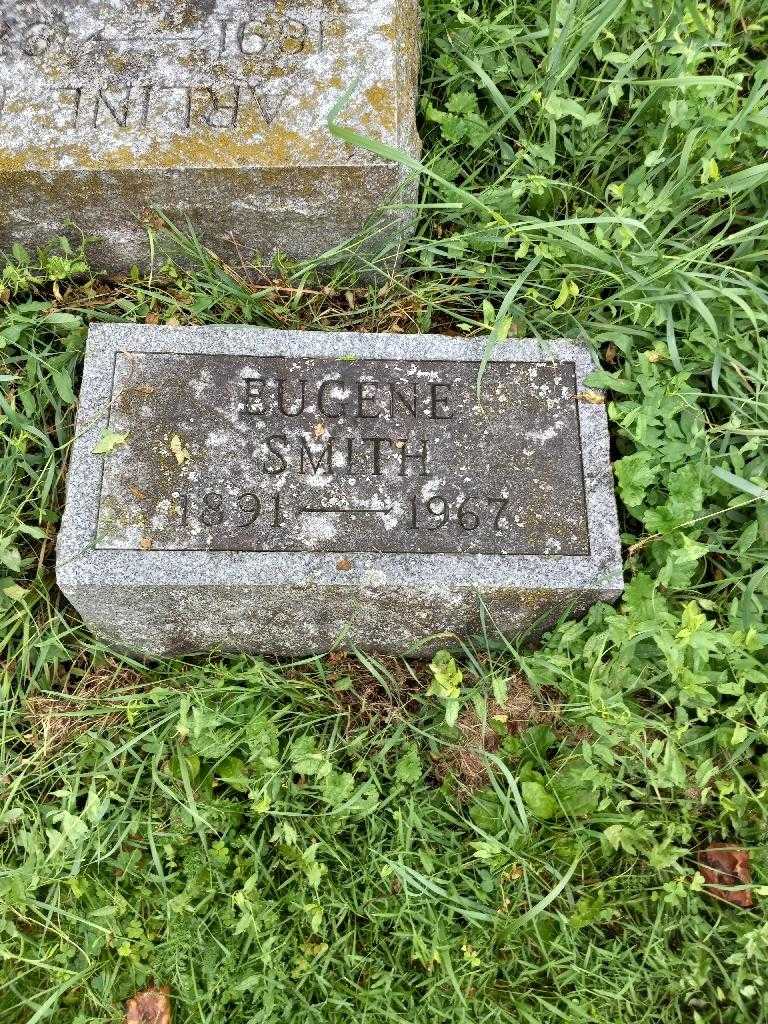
(253, 490)
(213, 111)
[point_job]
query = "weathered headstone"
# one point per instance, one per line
(212, 111)
(254, 490)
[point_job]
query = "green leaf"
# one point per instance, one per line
(740, 733)
(446, 677)
(623, 837)
(33, 531)
(634, 475)
(306, 759)
(314, 872)
(681, 561)
(210, 736)
(108, 441)
(577, 796)
(500, 689)
(740, 483)
(232, 770)
(451, 712)
(487, 812)
(568, 290)
(591, 910)
(338, 787)
(671, 773)
(462, 102)
(409, 768)
(685, 501)
(261, 740)
(64, 321)
(562, 106)
(62, 381)
(538, 800)
(610, 382)
(10, 557)
(73, 828)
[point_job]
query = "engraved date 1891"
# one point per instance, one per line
(38, 34)
(241, 511)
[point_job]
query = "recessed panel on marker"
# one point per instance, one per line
(308, 454)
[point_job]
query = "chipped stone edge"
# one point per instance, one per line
(80, 567)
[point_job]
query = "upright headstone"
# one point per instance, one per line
(212, 111)
(244, 489)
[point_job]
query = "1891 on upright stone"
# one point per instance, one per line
(212, 111)
(250, 490)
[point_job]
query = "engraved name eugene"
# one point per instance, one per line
(256, 45)
(367, 455)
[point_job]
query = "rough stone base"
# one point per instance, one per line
(297, 621)
(246, 218)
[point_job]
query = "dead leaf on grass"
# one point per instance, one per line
(592, 397)
(724, 865)
(153, 1006)
(108, 441)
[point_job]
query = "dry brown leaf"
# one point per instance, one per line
(724, 865)
(344, 565)
(152, 1006)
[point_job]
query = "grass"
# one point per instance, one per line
(317, 842)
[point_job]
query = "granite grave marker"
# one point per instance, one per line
(254, 490)
(213, 111)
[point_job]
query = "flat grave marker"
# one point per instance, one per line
(212, 111)
(244, 489)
